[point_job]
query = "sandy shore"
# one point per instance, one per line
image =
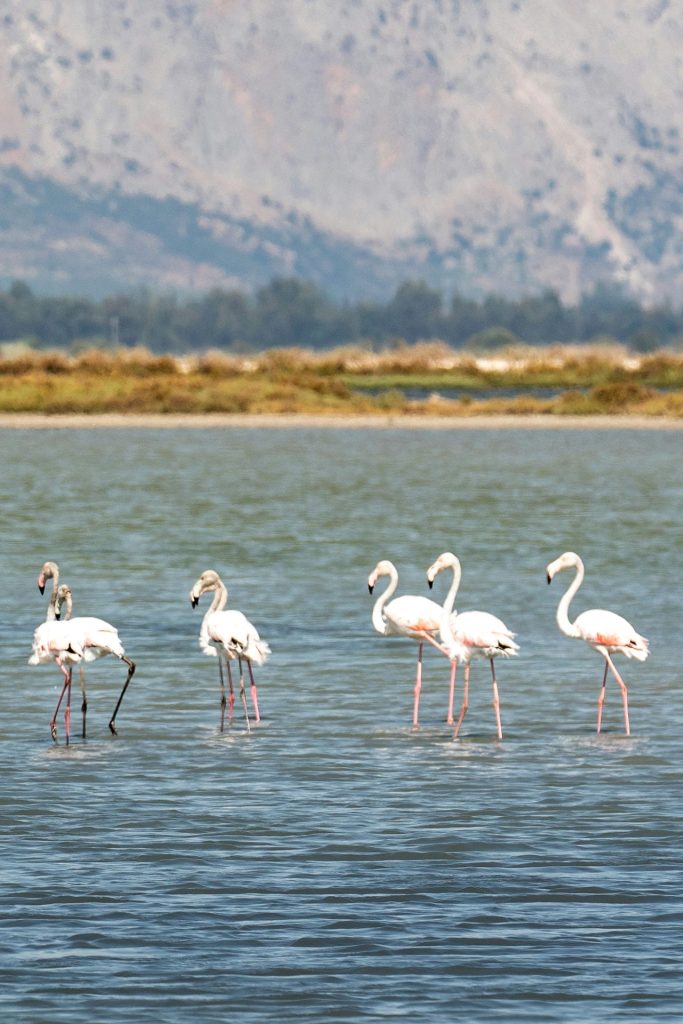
(37, 421)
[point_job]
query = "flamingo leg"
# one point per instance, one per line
(439, 647)
(231, 699)
(243, 695)
(601, 698)
(418, 685)
(465, 701)
(223, 700)
(84, 703)
(451, 692)
(254, 693)
(67, 711)
(496, 701)
(624, 693)
(53, 723)
(131, 670)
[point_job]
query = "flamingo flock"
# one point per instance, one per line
(227, 634)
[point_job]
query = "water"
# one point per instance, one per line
(333, 864)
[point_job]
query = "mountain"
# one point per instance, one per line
(507, 145)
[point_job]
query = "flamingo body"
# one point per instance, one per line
(73, 641)
(468, 635)
(229, 633)
(603, 630)
(410, 615)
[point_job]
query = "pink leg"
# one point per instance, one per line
(439, 647)
(418, 685)
(624, 693)
(223, 699)
(465, 699)
(231, 699)
(601, 699)
(67, 712)
(243, 696)
(254, 693)
(451, 692)
(53, 723)
(496, 702)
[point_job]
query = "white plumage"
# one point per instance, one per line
(603, 630)
(410, 615)
(231, 634)
(467, 635)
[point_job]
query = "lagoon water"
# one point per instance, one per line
(334, 864)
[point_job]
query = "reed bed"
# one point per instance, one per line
(590, 379)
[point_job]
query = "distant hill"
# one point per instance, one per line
(505, 145)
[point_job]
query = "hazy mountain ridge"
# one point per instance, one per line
(506, 146)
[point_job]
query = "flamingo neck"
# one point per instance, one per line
(220, 598)
(52, 607)
(567, 627)
(446, 628)
(378, 620)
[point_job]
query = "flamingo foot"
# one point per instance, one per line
(112, 728)
(53, 730)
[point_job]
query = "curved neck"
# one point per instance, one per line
(52, 607)
(378, 619)
(446, 629)
(220, 598)
(567, 627)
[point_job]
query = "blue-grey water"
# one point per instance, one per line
(334, 864)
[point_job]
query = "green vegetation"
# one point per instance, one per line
(347, 381)
(290, 312)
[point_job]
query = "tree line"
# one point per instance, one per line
(289, 312)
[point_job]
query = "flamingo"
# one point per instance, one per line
(231, 634)
(467, 635)
(603, 630)
(409, 615)
(74, 641)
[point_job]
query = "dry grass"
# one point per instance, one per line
(597, 379)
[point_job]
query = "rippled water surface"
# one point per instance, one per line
(334, 864)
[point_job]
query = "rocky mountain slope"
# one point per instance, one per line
(502, 145)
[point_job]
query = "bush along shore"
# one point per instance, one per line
(427, 378)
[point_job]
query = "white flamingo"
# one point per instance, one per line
(409, 615)
(603, 630)
(231, 634)
(467, 635)
(74, 641)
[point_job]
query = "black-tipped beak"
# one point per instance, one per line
(58, 616)
(370, 588)
(430, 582)
(549, 577)
(194, 601)
(41, 584)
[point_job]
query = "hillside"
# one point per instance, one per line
(512, 145)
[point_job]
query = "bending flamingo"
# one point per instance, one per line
(467, 635)
(231, 634)
(74, 641)
(409, 615)
(603, 630)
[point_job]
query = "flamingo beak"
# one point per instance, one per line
(371, 587)
(41, 583)
(430, 582)
(194, 601)
(549, 577)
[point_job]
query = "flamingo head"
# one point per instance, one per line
(569, 560)
(208, 580)
(445, 561)
(63, 597)
(49, 571)
(383, 568)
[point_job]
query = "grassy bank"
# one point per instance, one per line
(590, 380)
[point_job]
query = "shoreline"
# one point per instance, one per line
(80, 421)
